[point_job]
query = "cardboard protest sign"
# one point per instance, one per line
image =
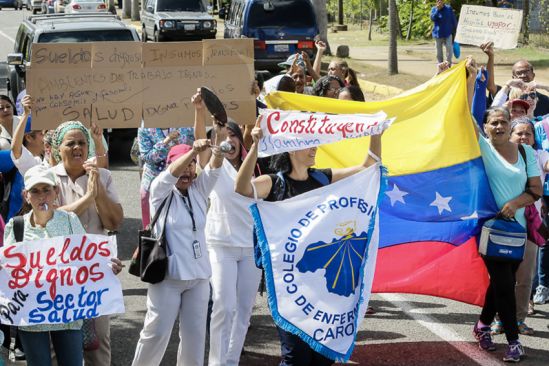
(59, 280)
(481, 24)
(293, 130)
(119, 84)
(85, 82)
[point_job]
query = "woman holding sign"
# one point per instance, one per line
(43, 221)
(296, 176)
(235, 278)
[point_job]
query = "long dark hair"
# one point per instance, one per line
(355, 92)
(281, 163)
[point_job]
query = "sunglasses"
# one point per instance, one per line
(531, 95)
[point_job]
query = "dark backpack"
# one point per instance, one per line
(5, 192)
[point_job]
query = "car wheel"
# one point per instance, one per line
(157, 36)
(34, 11)
(143, 34)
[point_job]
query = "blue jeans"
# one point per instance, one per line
(542, 271)
(66, 343)
(446, 42)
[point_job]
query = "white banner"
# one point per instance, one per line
(293, 130)
(481, 24)
(59, 280)
(319, 252)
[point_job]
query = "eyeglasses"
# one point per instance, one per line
(531, 95)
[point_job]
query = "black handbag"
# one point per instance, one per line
(153, 250)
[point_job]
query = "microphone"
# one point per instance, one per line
(225, 147)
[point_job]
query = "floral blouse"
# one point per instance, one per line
(154, 152)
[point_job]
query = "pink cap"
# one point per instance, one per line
(177, 151)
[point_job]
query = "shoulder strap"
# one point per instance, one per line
(319, 176)
(18, 228)
(523, 154)
(281, 186)
(157, 213)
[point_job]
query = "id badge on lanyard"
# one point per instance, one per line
(197, 250)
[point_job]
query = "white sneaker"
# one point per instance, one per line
(542, 295)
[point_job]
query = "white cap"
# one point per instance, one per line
(39, 174)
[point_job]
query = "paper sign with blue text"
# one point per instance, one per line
(59, 280)
(285, 131)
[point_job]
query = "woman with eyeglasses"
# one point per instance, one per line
(8, 121)
(328, 86)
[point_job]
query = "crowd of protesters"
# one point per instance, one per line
(58, 176)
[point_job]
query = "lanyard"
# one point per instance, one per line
(189, 207)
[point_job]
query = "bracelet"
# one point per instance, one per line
(101, 156)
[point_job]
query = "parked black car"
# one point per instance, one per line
(177, 20)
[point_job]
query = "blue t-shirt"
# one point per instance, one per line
(507, 180)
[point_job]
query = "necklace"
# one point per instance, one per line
(235, 165)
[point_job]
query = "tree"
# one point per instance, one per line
(409, 34)
(393, 29)
(525, 21)
(322, 21)
(340, 12)
(135, 10)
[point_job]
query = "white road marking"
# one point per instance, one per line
(6, 36)
(446, 334)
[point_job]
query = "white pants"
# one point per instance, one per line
(165, 301)
(235, 280)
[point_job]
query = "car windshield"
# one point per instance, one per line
(180, 5)
(293, 14)
(87, 36)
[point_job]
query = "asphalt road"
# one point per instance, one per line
(405, 330)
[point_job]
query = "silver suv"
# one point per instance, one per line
(177, 20)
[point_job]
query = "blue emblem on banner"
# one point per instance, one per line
(341, 259)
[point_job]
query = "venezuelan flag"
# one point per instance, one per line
(437, 189)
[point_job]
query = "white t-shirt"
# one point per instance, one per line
(229, 222)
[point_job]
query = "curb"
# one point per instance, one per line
(381, 89)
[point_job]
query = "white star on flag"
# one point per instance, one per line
(441, 203)
(396, 195)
